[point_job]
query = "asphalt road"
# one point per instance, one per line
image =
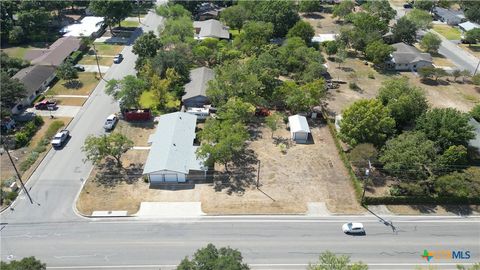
(265, 242)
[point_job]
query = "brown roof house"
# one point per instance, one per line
(210, 29)
(196, 90)
(407, 58)
(36, 79)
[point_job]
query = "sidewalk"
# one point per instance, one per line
(170, 209)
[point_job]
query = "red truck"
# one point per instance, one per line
(137, 114)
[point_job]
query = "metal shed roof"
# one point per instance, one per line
(298, 123)
(172, 144)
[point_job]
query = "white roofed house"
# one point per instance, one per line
(210, 29)
(172, 158)
(299, 129)
(89, 26)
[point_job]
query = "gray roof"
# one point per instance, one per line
(467, 26)
(34, 76)
(449, 15)
(298, 123)
(198, 84)
(211, 28)
(475, 142)
(172, 145)
(406, 54)
(57, 52)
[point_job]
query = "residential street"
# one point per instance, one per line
(265, 242)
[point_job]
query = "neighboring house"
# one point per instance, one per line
(172, 158)
(299, 129)
(89, 26)
(324, 37)
(407, 57)
(467, 26)
(210, 29)
(36, 79)
(207, 11)
(449, 16)
(55, 54)
(475, 142)
(196, 89)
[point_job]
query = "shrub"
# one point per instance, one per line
(29, 129)
(76, 56)
(25, 165)
(353, 86)
(21, 139)
(38, 121)
(371, 75)
(409, 200)
(475, 112)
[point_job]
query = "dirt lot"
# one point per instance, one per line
(287, 181)
(445, 94)
(322, 22)
(138, 132)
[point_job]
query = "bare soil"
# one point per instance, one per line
(322, 22)
(138, 132)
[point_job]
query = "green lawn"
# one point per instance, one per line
(18, 52)
(130, 23)
(447, 31)
(90, 60)
(148, 100)
(108, 49)
(87, 80)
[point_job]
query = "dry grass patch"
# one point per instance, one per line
(90, 60)
(70, 101)
(322, 22)
(306, 173)
(472, 48)
(138, 132)
(87, 83)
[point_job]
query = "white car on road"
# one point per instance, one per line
(110, 122)
(353, 228)
(60, 138)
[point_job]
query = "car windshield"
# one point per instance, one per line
(58, 136)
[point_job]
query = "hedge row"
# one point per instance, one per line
(408, 200)
(357, 185)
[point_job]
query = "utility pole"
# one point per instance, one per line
(138, 11)
(96, 58)
(18, 174)
(258, 175)
(367, 174)
(476, 69)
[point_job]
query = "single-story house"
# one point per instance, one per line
(475, 142)
(467, 26)
(299, 129)
(36, 79)
(55, 54)
(207, 11)
(324, 37)
(89, 26)
(449, 16)
(407, 57)
(172, 157)
(210, 29)
(196, 89)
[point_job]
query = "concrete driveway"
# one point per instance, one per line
(61, 111)
(94, 68)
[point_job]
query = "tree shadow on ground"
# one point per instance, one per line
(424, 209)
(254, 129)
(313, 15)
(109, 175)
(73, 84)
(240, 176)
(346, 69)
(433, 82)
(459, 210)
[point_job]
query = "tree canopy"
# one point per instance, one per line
(329, 261)
(113, 145)
(211, 258)
(378, 52)
(424, 4)
(421, 18)
(236, 110)
(471, 10)
(66, 71)
(12, 91)
(406, 103)
(303, 30)
(430, 42)
(408, 155)
(301, 98)
(404, 31)
(11, 65)
(459, 184)
(366, 121)
(343, 9)
(28, 263)
(235, 16)
(381, 9)
(446, 127)
(146, 45)
(281, 13)
(113, 11)
(255, 34)
(127, 90)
